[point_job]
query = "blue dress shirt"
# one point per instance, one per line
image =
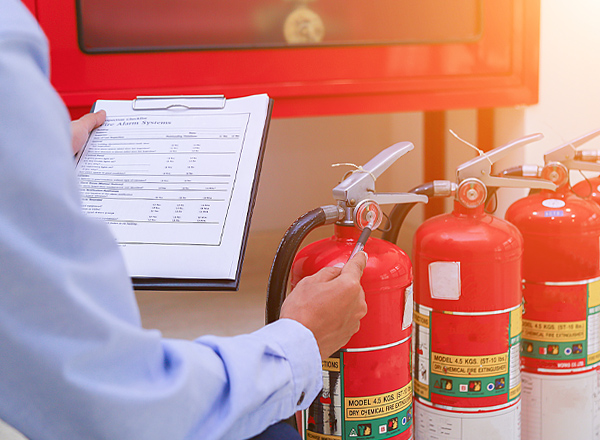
(74, 360)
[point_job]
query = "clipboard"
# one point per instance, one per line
(187, 102)
(199, 103)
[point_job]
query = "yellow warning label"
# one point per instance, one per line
(331, 364)
(593, 358)
(554, 331)
(469, 366)
(594, 294)
(315, 436)
(371, 407)
(421, 389)
(421, 319)
(516, 322)
(514, 392)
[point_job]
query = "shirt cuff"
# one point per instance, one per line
(302, 352)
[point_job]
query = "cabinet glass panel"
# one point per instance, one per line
(157, 25)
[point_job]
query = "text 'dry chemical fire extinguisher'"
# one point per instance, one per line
(561, 289)
(367, 385)
(467, 321)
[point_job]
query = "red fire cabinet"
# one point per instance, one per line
(372, 57)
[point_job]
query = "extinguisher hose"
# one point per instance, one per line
(400, 211)
(291, 241)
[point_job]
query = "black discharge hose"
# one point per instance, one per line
(491, 193)
(400, 211)
(516, 171)
(280, 270)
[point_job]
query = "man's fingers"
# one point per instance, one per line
(93, 120)
(327, 274)
(356, 265)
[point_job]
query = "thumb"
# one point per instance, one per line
(327, 274)
(356, 265)
(93, 120)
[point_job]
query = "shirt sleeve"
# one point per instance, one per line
(74, 360)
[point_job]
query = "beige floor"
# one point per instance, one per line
(188, 315)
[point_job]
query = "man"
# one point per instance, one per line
(74, 360)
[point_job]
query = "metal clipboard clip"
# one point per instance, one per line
(180, 102)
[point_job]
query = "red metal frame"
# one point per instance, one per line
(500, 69)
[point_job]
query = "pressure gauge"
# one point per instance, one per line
(556, 173)
(471, 193)
(368, 212)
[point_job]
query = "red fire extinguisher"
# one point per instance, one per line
(561, 288)
(367, 385)
(467, 312)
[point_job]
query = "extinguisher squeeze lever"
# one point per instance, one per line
(566, 154)
(481, 168)
(360, 185)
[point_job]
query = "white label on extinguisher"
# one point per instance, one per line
(444, 280)
(553, 203)
(407, 319)
(421, 351)
(514, 377)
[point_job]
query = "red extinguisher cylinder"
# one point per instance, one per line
(467, 325)
(561, 321)
(368, 383)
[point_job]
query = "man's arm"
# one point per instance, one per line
(76, 362)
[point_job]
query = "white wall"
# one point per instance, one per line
(569, 100)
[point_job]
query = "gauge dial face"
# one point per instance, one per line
(471, 193)
(367, 212)
(556, 173)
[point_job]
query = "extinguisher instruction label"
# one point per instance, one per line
(422, 320)
(356, 403)
(365, 408)
(489, 371)
(561, 338)
(421, 351)
(554, 331)
(331, 364)
(469, 366)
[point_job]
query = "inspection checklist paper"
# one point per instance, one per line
(176, 184)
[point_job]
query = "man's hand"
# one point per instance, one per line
(330, 303)
(82, 127)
